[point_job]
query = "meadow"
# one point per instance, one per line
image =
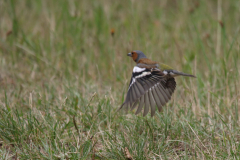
(64, 73)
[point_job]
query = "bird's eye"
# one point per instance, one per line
(132, 52)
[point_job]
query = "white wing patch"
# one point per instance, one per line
(133, 81)
(143, 74)
(165, 72)
(140, 72)
(138, 69)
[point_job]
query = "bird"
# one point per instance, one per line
(151, 86)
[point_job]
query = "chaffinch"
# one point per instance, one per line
(152, 84)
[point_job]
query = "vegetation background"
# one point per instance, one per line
(64, 73)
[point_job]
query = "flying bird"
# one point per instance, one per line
(151, 86)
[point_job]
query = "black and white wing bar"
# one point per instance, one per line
(148, 88)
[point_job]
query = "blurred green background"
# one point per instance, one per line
(64, 73)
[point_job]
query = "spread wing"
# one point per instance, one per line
(149, 88)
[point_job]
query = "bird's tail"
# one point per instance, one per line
(177, 73)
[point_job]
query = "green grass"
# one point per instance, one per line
(63, 76)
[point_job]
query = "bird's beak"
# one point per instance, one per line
(129, 54)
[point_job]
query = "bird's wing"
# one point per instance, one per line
(148, 88)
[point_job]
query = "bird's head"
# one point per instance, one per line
(136, 55)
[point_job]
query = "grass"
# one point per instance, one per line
(63, 76)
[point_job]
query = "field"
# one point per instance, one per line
(64, 72)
